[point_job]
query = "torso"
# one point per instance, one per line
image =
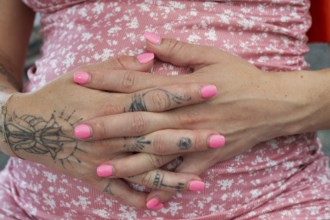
(267, 33)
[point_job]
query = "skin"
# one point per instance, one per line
(270, 98)
(252, 106)
(44, 132)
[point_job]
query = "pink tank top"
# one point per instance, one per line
(268, 33)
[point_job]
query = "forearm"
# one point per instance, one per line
(16, 22)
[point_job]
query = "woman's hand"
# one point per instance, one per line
(39, 125)
(252, 106)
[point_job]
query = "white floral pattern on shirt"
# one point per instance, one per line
(284, 178)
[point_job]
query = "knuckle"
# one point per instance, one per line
(159, 146)
(99, 129)
(174, 47)
(198, 141)
(116, 64)
(156, 161)
(97, 77)
(138, 124)
(109, 108)
(146, 179)
(159, 100)
(187, 119)
(127, 80)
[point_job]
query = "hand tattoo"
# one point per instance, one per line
(167, 98)
(138, 144)
(184, 143)
(158, 183)
(37, 135)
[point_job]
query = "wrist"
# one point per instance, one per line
(308, 94)
(4, 143)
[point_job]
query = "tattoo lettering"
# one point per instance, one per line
(139, 143)
(158, 183)
(37, 135)
(167, 98)
(184, 143)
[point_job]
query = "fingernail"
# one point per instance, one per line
(208, 91)
(216, 141)
(153, 38)
(104, 170)
(159, 206)
(81, 77)
(82, 131)
(196, 185)
(145, 57)
(153, 203)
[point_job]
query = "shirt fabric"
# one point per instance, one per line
(283, 178)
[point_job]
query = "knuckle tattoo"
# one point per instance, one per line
(137, 104)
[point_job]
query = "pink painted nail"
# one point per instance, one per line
(145, 57)
(104, 170)
(153, 203)
(153, 38)
(159, 206)
(208, 91)
(81, 77)
(196, 185)
(216, 141)
(82, 131)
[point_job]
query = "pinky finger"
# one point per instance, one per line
(169, 181)
(122, 192)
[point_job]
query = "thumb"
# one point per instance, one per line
(182, 54)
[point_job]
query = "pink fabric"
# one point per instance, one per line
(284, 178)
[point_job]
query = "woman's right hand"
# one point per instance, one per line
(40, 125)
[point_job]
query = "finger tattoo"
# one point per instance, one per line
(139, 143)
(165, 99)
(158, 183)
(184, 143)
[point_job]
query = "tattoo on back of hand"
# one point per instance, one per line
(166, 100)
(37, 135)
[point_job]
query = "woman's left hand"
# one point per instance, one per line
(252, 106)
